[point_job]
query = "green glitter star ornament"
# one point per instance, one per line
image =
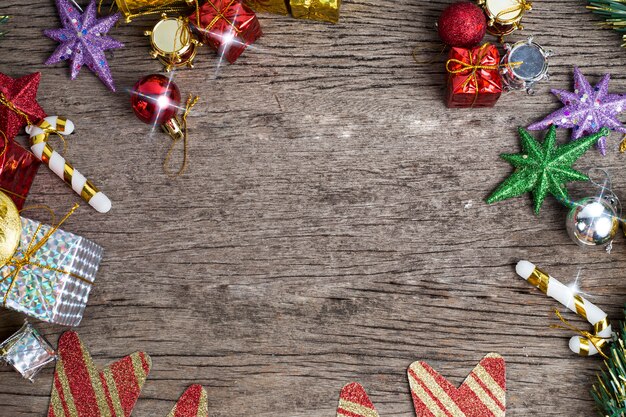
(544, 168)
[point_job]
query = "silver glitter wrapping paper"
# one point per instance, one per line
(27, 352)
(39, 289)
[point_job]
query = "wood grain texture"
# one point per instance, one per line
(331, 226)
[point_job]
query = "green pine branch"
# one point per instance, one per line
(613, 12)
(609, 391)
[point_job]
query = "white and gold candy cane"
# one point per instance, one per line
(589, 343)
(39, 135)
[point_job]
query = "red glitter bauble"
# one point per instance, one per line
(155, 99)
(462, 24)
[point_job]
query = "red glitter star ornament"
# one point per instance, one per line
(18, 103)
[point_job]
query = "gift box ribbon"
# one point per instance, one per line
(33, 247)
(219, 15)
(472, 67)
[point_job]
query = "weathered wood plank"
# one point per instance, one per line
(331, 225)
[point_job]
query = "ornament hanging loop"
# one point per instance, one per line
(606, 189)
(177, 130)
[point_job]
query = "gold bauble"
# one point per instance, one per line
(10, 228)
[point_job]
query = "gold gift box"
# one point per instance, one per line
(325, 10)
(268, 6)
(135, 8)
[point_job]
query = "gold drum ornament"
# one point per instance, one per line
(504, 16)
(172, 42)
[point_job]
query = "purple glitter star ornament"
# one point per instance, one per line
(586, 110)
(83, 40)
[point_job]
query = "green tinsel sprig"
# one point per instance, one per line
(609, 392)
(613, 12)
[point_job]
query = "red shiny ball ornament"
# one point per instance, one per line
(155, 99)
(462, 24)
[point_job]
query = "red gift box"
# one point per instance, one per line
(228, 26)
(18, 168)
(474, 78)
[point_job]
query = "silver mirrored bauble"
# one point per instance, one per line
(592, 221)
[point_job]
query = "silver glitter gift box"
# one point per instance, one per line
(50, 275)
(27, 352)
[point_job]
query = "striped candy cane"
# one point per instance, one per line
(574, 302)
(39, 135)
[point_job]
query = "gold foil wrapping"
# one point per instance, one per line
(268, 6)
(540, 280)
(10, 228)
(325, 10)
(135, 8)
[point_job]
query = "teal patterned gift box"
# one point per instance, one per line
(51, 274)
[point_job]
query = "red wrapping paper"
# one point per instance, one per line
(228, 26)
(18, 168)
(474, 78)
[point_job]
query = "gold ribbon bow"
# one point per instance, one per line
(33, 247)
(191, 101)
(521, 7)
(598, 342)
(473, 66)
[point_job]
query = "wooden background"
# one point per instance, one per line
(331, 226)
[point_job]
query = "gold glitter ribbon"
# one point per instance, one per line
(521, 7)
(9, 104)
(191, 101)
(539, 279)
(33, 247)
(598, 342)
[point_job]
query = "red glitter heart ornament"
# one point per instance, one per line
(193, 403)
(354, 402)
(79, 390)
(482, 394)
(18, 103)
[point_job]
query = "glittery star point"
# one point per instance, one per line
(586, 110)
(83, 40)
(18, 102)
(544, 168)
